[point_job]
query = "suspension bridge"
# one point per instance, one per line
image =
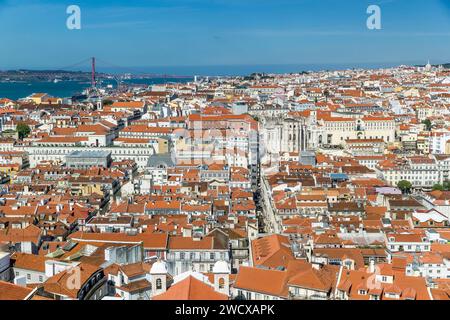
(97, 66)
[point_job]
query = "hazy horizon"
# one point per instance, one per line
(235, 69)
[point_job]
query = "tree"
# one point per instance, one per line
(107, 102)
(23, 130)
(438, 187)
(326, 93)
(427, 124)
(446, 185)
(405, 186)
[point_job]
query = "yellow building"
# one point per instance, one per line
(447, 147)
(10, 168)
(163, 145)
(39, 98)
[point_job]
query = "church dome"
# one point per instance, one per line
(221, 267)
(159, 267)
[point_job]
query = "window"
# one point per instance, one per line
(221, 283)
(158, 284)
(28, 276)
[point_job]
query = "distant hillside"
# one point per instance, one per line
(46, 75)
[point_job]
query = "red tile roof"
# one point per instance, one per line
(191, 289)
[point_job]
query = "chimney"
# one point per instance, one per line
(187, 232)
(372, 266)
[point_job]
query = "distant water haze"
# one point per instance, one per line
(238, 70)
(241, 70)
(64, 89)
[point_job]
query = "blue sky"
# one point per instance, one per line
(223, 32)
